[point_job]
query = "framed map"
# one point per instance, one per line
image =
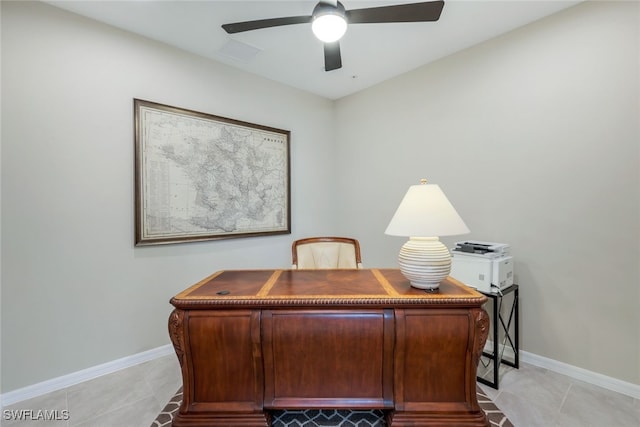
(203, 177)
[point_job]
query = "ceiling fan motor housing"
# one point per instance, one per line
(326, 8)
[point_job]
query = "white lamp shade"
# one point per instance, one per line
(329, 28)
(426, 212)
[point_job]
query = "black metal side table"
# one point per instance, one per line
(510, 337)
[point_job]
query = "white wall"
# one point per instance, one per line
(75, 291)
(534, 137)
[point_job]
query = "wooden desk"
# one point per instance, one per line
(252, 341)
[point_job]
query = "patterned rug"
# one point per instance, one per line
(334, 418)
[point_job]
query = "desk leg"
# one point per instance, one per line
(222, 377)
(437, 354)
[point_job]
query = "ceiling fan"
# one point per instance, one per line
(329, 21)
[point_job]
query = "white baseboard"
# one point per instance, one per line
(73, 378)
(59, 383)
(571, 371)
(581, 374)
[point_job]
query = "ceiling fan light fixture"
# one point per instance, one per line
(329, 28)
(329, 22)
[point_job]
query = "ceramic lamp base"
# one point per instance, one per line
(425, 261)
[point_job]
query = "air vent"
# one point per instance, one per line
(240, 51)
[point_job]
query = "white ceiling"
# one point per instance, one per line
(371, 53)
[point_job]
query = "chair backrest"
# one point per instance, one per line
(326, 253)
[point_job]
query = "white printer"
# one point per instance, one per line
(486, 266)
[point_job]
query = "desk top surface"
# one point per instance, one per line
(282, 288)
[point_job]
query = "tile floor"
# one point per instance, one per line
(536, 397)
(529, 396)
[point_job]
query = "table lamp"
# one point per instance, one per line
(424, 214)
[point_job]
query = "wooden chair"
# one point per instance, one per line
(326, 253)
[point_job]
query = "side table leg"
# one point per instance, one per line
(496, 358)
(516, 296)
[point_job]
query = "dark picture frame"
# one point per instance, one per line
(202, 177)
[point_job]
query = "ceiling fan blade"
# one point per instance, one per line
(239, 27)
(332, 58)
(412, 12)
